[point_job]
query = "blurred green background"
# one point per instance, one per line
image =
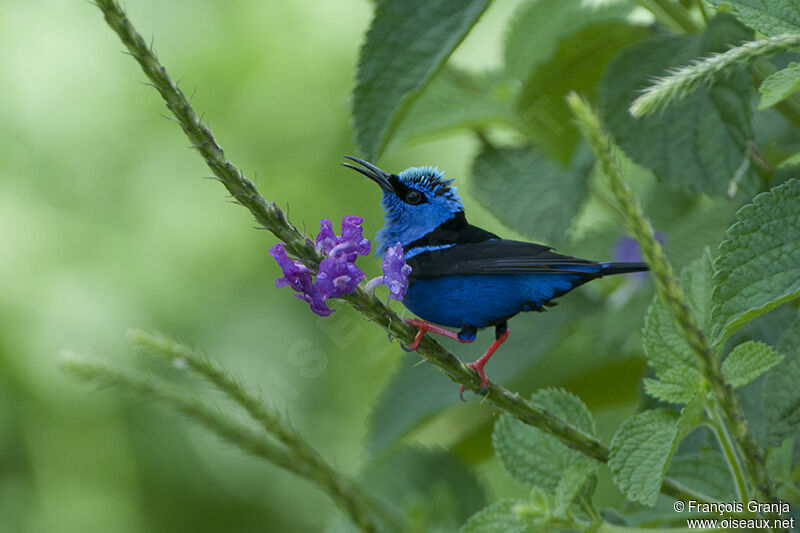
(106, 224)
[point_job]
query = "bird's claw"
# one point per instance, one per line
(478, 368)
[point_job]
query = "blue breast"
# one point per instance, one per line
(482, 300)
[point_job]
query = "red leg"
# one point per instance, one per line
(424, 326)
(478, 364)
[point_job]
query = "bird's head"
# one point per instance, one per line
(416, 201)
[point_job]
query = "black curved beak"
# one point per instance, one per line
(372, 172)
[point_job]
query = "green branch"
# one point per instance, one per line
(722, 401)
(270, 217)
(317, 470)
(685, 79)
(294, 458)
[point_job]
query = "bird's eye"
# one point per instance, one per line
(413, 197)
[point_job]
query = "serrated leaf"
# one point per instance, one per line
(781, 391)
(570, 485)
(497, 518)
(535, 458)
(747, 361)
(664, 344)
(456, 100)
(537, 27)
(701, 141)
(407, 42)
(642, 447)
(576, 65)
(530, 192)
(677, 385)
(707, 472)
(779, 85)
(770, 17)
(759, 264)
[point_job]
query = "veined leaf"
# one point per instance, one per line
(665, 346)
(643, 446)
(577, 65)
(747, 361)
(529, 191)
(779, 85)
(767, 16)
(701, 141)
(677, 385)
(759, 264)
(407, 42)
(538, 26)
(456, 100)
(535, 458)
(706, 472)
(781, 393)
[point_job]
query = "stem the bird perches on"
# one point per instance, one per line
(271, 217)
(722, 402)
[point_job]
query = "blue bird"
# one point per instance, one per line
(463, 276)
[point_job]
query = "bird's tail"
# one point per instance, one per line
(622, 268)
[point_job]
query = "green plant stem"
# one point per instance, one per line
(728, 449)
(319, 471)
(341, 491)
(721, 400)
(269, 216)
(683, 80)
(672, 14)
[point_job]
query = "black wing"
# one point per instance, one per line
(498, 256)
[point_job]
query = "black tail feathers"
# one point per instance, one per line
(623, 268)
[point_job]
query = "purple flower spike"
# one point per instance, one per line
(627, 250)
(395, 272)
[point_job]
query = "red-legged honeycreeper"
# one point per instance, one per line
(463, 276)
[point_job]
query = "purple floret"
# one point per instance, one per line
(396, 272)
(349, 245)
(337, 277)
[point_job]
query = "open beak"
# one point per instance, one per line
(372, 172)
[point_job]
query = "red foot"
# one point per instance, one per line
(478, 364)
(424, 326)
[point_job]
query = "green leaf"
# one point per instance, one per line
(664, 344)
(498, 518)
(701, 141)
(759, 264)
(530, 192)
(748, 361)
(770, 17)
(707, 472)
(535, 458)
(456, 100)
(677, 385)
(781, 391)
(432, 486)
(537, 27)
(576, 65)
(407, 42)
(570, 485)
(643, 445)
(779, 85)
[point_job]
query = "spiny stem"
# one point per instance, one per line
(270, 217)
(683, 80)
(722, 399)
(320, 472)
(317, 471)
